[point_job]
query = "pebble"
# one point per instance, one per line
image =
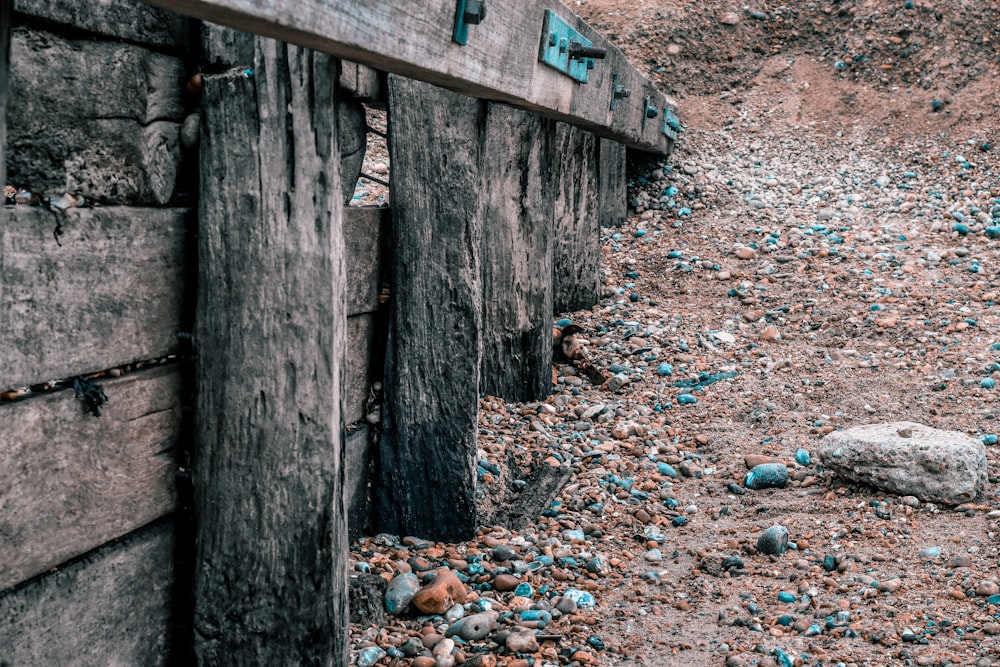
(766, 476)
(400, 592)
(773, 541)
(522, 642)
(369, 656)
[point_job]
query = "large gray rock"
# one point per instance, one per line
(909, 459)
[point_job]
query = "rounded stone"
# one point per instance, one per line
(767, 476)
(773, 541)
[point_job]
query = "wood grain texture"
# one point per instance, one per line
(613, 193)
(5, 15)
(500, 61)
(70, 481)
(365, 231)
(271, 571)
(427, 452)
(517, 214)
(111, 294)
(577, 250)
(116, 19)
(118, 146)
(358, 477)
(362, 340)
(110, 607)
(362, 82)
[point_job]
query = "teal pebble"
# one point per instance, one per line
(785, 596)
(664, 369)
(990, 439)
(766, 476)
(369, 656)
(802, 457)
(987, 383)
(524, 590)
(686, 399)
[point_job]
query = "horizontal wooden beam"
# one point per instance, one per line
(500, 60)
(111, 607)
(110, 292)
(70, 482)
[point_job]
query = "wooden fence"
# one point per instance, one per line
(236, 315)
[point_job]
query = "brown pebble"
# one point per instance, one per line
(987, 588)
(436, 597)
(483, 660)
(991, 628)
(424, 661)
(770, 335)
(753, 460)
(584, 658)
(505, 583)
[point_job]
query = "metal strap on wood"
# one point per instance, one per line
(532, 54)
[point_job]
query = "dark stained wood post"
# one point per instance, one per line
(6, 9)
(271, 579)
(613, 189)
(577, 252)
(426, 460)
(517, 254)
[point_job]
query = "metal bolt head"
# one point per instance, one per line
(651, 111)
(621, 91)
(475, 11)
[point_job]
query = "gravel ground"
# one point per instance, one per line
(821, 252)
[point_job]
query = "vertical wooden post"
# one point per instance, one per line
(426, 466)
(517, 254)
(613, 190)
(577, 252)
(6, 9)
(271, 579)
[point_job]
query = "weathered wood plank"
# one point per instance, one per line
(361, 341)
(577, 252)
(111, 294)
(115, 19)
(119, 146)
(516, 254)
(613, 194)
(427, 452)
(358, 476)
(271, 573)
(111, 607)
(5, 15)
(70, 482)
(362, 82)
(352, 137)
(499, 62)
(365, 228)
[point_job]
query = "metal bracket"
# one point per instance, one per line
(671, 124)
(467, 12)
(567, 50)
(618, 91)
(648, 111)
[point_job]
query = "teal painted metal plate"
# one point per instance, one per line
(460, 34)
(671, 124)
(554, 52)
